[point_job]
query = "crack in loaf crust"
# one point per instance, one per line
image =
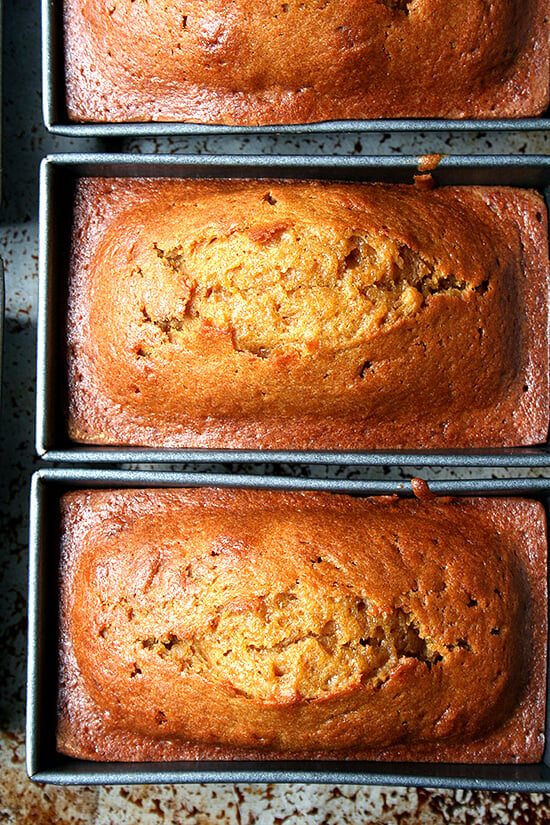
(267, 62)
(307, 315)
(208, 622)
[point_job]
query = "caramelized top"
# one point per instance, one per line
(265, 61)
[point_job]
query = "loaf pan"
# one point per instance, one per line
(45, 765)
(57, 121)
(58, 174)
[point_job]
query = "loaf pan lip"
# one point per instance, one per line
(44, 765)
(57, 122)
(51, 440)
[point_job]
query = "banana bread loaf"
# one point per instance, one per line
(232, 624)
(265, 314)
(266, 62)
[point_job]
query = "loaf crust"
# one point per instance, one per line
(233, 624)
(264, 314)
(266, 62)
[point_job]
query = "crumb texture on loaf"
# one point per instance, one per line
(289, 647)
(263, 61)
(299, 624)
(279, 287)
(307, 315)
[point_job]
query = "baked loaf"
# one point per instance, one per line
(266, 62)
(307, 315)
(208, 623)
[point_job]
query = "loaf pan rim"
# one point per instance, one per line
(58, 123)
(241, 166)
(497, 777)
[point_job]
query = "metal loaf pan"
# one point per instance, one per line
(44, 764)
(58, 174)
(57, 121)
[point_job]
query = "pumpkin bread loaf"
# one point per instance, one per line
(307, 315)
(270, 62)
(233, 624)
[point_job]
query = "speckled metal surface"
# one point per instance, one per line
(25, 143)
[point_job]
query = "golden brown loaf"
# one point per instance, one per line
(266, 62)
(265, 314)
(207, 623)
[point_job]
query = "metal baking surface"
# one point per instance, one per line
(58, 174)
(1, 109)
(57, 122)
(44, 764)
(2, 308)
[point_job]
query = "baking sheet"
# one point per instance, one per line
(58, 174)
(2, 310)
(45, 765)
